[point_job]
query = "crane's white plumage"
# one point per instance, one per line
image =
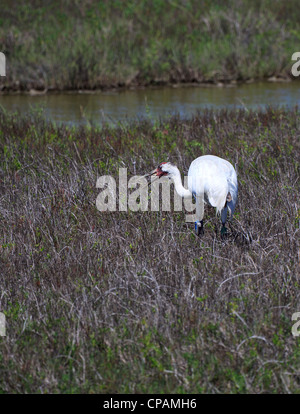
(215, 178)
(210, 179)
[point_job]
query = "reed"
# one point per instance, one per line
(53, 45)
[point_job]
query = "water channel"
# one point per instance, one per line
(114, 106)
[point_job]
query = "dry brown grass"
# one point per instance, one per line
(135, 302)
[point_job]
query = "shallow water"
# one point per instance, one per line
(75, 108)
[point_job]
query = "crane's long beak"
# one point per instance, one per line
(151, 173)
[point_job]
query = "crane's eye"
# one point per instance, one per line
(160, 172)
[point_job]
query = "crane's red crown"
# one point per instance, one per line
(159, 171)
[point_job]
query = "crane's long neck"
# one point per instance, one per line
(180, 189)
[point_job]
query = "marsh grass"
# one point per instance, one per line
(51, 45)
(132, 302)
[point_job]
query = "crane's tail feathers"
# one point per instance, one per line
(218, 199)
(217, 192)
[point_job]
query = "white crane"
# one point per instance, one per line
(210, 179)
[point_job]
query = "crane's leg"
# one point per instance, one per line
(224, 218)
(199, 227)
(199, 230)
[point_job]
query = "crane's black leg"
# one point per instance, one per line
(224, 218)
(199, 229)
(223, 231)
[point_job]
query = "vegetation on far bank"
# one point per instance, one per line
(134, 302)
(91, 44)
